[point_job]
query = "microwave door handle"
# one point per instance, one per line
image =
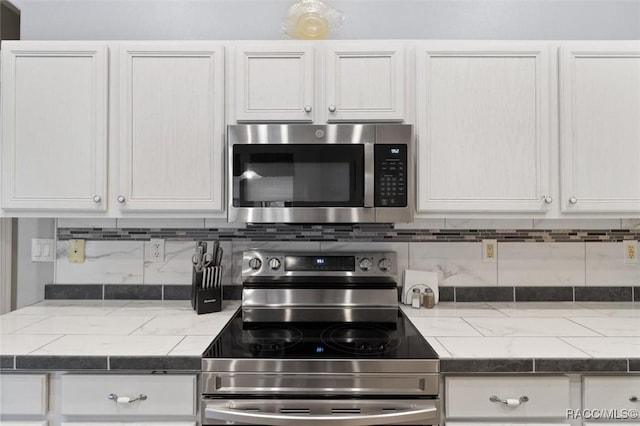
(369, 174)
(221, 412)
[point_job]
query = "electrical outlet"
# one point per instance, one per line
(156, 253)
(76, 251)
(630, 251)
(489, 251)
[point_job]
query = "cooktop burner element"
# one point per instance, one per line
(269, 339)
(359, 339)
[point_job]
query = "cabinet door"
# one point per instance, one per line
(365, 84)
(23, 394)
(274, 83)
(172, 136)
(483, 127)
(600, 127)
(54, 132)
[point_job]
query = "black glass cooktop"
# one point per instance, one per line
(399, 340)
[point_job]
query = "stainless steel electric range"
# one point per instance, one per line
(320, 340)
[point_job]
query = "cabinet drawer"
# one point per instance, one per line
(23, 394)
(128, 424)
(173, 395)
(611, 392)
(23, 423)
(469, 397)
(504, 424)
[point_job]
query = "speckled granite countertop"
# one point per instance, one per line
(469, 337)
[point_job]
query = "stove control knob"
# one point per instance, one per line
(255, 263)
(365, 264)
(274, 264)
(384, 264)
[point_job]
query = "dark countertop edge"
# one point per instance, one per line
(11, 363)
(540, 365)
(19, 363)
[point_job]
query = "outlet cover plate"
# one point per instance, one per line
(76, 251)
(489, 251)
(156, 250)
(630, 251)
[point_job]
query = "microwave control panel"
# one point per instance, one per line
(390, 175)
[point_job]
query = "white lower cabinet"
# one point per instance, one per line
(501, 424)
(159, 397)
(23, 395)
(618, 396)
(129, 423)
(518, 398)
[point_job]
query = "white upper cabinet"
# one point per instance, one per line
(54, 126)
(483, 121)
(600, 127)
(320, 82)
(171, 127)
(275, 83)
(365, 84)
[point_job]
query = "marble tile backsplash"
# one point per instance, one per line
(541, 264)
(531, 253)
(458, 264)
(106, 262)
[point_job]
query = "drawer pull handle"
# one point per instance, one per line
(126, 399)
(511, 402)
(633, 399)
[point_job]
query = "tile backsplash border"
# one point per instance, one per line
(349, 233)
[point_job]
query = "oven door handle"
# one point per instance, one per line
(224, 412)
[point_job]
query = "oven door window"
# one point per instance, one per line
(298, 175)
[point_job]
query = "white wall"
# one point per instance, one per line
(365, 19)
(6, 258)
(32, 276)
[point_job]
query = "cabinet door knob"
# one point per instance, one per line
(126, 399)
(511, 402)
(548, 200)
(573, 200)
(307, 108)
(633, 399)
(120, 199)
(97, 198)
(332, 108)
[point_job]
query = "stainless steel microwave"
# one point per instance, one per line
(320, 173)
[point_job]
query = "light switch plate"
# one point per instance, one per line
(42, 250)
(76, 251)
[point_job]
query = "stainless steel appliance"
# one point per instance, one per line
(320, 173)
(320, 340)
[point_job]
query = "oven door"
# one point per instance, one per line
(301, 173)
(325, 412)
